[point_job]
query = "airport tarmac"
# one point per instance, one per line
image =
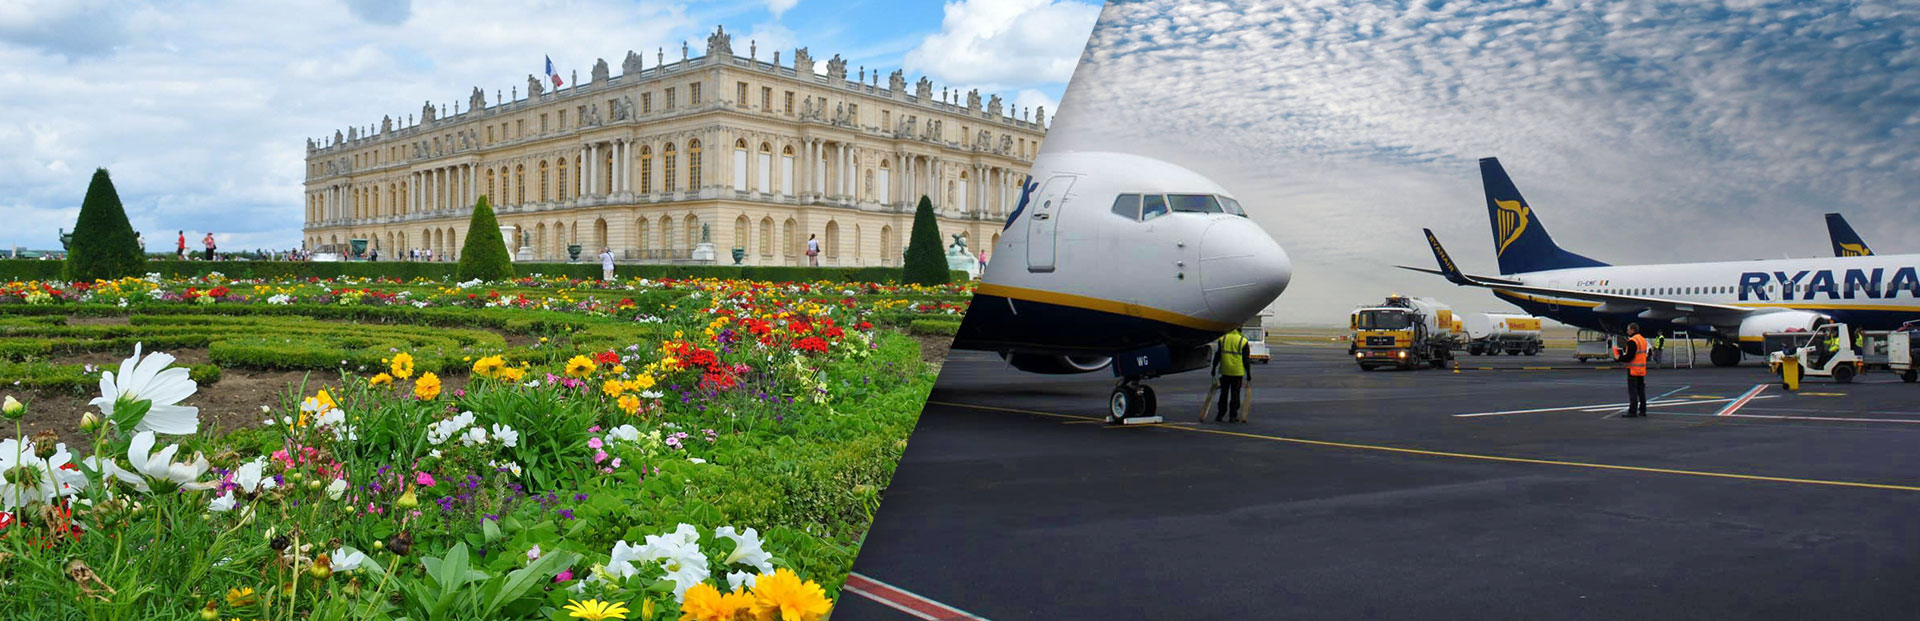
(1506, 493)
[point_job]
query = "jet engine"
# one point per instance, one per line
(1057, 365)
(1754, 327)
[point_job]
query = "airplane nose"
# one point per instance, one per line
(1242, 269)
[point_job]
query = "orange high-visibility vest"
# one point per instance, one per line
(1638, 365)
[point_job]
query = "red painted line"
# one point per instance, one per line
(1742, 402)
(905, 601)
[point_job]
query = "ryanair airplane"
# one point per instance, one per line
(1846, 243)
(1121, 261)
(1734, 302)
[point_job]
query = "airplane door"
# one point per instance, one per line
(1044, 227)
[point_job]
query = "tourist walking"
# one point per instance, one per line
(209, 242)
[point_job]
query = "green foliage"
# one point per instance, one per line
(29, 270)
(104, 245)
(934, 327)
(925, 263)
(484, 255)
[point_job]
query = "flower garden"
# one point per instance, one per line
(354, 448)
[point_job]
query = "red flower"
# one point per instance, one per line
(812, 343)
(607, 357)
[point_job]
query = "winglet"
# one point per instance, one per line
(1447, 266)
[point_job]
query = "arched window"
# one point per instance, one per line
(561, 166)
(666, 233)
(740, 226)
(543, 182)
(520, 183)
(693, 231)
(599, 233)
(646, 170)
(888, 250)
(832, 238)
(765, 171)
(693, 165)
(641, 230)
(886, 181)
(489, 184)
(667, 168)
(766, 236)
(740, 166)
(789, 238)
(787, 170)
(961, 202)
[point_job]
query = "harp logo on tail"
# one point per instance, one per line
(1512, 221)
(1855, 250)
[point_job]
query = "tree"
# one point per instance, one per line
(484, 256)
(104, 246)
(925, 263)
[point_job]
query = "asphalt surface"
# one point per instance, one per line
(1012, 503)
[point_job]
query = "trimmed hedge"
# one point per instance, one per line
(934, 327)
(22, 269)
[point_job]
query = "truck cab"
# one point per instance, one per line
(1402, 333)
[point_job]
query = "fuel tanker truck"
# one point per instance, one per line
(1492, 333)
(1403, 333)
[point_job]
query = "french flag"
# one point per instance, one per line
(553, 75)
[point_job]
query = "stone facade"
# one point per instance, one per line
(755, 154)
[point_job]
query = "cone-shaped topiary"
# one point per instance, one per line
(925, 263)
(104, 245)
(484, 256)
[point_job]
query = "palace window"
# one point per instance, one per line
(520, 184)
(693, 94)
(646, 170)
(646, 103)
(789, 110)
(519, 127)
(667, 167)
(563, 119)
(543, 123)
(740, 94)
(543, 181)
(766, 99)
(670, 97)
(563, 179)
(886, 118)
(693, 164)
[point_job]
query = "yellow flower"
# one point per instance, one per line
(619, 369)
(427, 387)
(783, 596)
(510, 374)
(643, 382)
(613, 387)
(323, 400)
(241, 597)
(629, 404)
(703, 602)
(380, 380)
(402, 365)
(580, 366)
(489, 366)
(596, 610)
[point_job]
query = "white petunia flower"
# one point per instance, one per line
(679, 554)
(621, 563)
(737, 580)
(746, 549)
(162, 388)
(336, 489)
(626, 433)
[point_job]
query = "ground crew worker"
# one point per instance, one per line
(1230, 365)
(1635, 356)
(1659, 347)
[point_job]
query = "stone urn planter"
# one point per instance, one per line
(739, 254)
(573, 253)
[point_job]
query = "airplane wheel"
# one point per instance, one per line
(1149, 404)
(1910, 376)
(1123, 404)
(1725, 355)
(1843, 374)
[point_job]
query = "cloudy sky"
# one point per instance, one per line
(201, 109)
(1640, 131)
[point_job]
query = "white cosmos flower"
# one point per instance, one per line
(150, 380)
(347, 559)
(25, 478)
(251, 476)
(746, 549)
(337, 488)
(160, 466)
(474, 437)
(506, 435)
(224, 503)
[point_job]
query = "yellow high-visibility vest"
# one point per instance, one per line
(1231, 362)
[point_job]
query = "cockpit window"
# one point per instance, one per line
(1153, 206)
(1233, 206)
(1194, 203)
(1127, 206)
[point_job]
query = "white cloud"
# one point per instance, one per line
(1005, 41)
(1641, 132)
(779, 7)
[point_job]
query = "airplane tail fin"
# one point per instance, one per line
(1846, 243)
(1520, 240)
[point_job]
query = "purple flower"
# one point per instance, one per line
(566, 514)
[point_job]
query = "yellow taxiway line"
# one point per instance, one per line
(1493, 458)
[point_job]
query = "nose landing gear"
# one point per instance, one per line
(1132, 403)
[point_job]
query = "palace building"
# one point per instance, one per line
(754, 154)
